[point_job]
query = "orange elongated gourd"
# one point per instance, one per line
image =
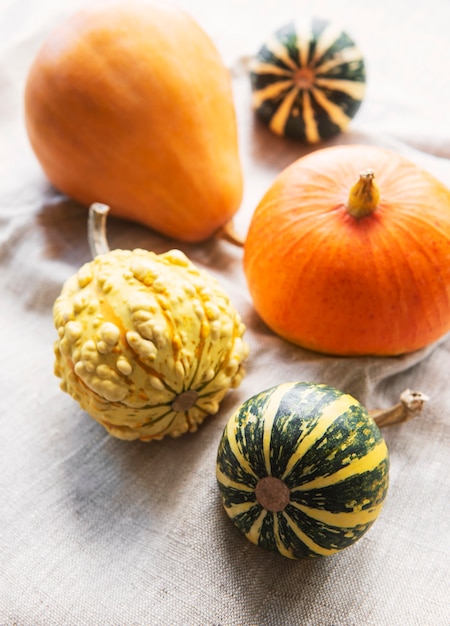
(352, 267)
(129, 104)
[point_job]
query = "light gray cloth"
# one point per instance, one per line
(96, 531)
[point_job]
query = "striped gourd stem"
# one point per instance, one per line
(410, 405)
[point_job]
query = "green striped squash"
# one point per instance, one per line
(308, 80)
(302, 470)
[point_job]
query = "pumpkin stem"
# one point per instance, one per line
(364, 196)
(98, 243)
(410, 405)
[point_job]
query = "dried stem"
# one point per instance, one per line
(241, 67)
(98, 242)
(364, 196)
(410, 405)
(228, 233)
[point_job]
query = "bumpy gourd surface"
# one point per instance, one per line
(147, 344)
(302, 470)
(308, 80)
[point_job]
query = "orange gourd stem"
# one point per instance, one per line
(364, 196)
(229, 234)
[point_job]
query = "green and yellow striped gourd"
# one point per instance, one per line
(302, 469)
(308, 80)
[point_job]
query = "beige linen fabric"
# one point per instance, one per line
(96, 531)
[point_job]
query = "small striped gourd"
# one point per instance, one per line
(308, 80)
(302, 469)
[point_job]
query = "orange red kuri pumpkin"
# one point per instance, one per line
(129, 104)
(336, 268)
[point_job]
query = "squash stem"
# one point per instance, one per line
(364, 196)
(228, 233)
(98, 243)
(410, 405)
